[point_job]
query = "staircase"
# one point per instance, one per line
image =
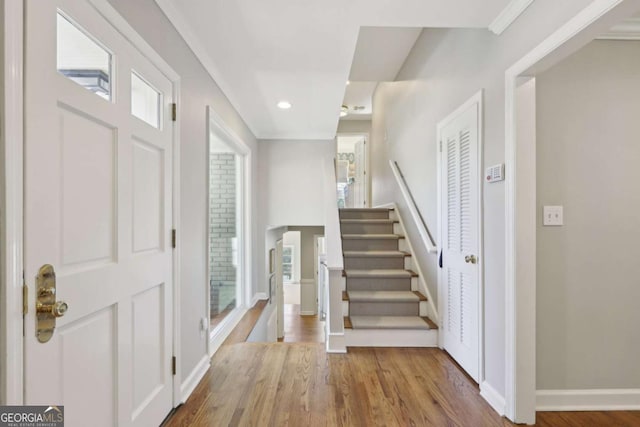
(382, 302)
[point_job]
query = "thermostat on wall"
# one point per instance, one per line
(495, 173)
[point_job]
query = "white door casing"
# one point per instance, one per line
(460, 278)
(98, 207)
(360, 187)
(279, 288)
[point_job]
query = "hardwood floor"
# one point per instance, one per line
(299, 328)
(280, 384)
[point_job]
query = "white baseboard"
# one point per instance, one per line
(188, 385)
(224, 329)
(495, 399)
(258, 297)
(308, 313)
(336, 343)
(588, 400)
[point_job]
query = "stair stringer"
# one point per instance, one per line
(432, 312)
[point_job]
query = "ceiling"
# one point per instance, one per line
(263, 51)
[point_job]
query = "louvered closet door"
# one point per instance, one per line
(460, 204)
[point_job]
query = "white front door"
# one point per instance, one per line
(459, 237)
(98, 173)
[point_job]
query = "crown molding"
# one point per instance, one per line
(626, 30)
(194, 42)
(509, 14)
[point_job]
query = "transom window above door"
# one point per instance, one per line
(82, 59)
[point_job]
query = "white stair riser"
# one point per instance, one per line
(391, 338)
(423, 309)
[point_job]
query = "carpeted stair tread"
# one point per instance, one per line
(389, 322)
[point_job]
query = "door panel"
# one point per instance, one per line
(460, 242)
(98, 208)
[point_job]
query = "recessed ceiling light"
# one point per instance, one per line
(344, 110)
(348, 82)
(285, 105)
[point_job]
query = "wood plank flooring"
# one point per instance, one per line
(298, 328)
(294, 384)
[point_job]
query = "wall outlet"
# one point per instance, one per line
(204, 324)
(552, 216)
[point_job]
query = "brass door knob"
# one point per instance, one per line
(470, 259)
(57, 309)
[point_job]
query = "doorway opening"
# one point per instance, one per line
(351, 168)
(299, 307)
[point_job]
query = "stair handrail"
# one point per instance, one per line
(421, 224)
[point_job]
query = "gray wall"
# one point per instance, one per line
(444, 69)
(588, 156)
(354, 126)
(197, 91)
(222, 229)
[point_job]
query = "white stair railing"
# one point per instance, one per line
(335, 341)
(419, 221)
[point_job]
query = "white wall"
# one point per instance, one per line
(291, 185)
(444, 69)
(197, 91)
(587, 270)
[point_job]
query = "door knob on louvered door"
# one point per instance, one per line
(470, 259)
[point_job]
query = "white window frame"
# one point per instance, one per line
(217, 126)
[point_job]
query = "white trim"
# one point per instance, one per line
(508, 15)
(391, 338)
(216, 125)
(260, 296)
(170, 9)
(520, 333)
(224, 329)
(131, 35)
(477, 98)
(434, 314)
(336, 343)
(11, 340)
(177, 348)
(626, 30)
(588, 400)
(493, 398)
(367, 161)
(194, 378)
(413, 210)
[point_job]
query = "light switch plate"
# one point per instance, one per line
(552, 216)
